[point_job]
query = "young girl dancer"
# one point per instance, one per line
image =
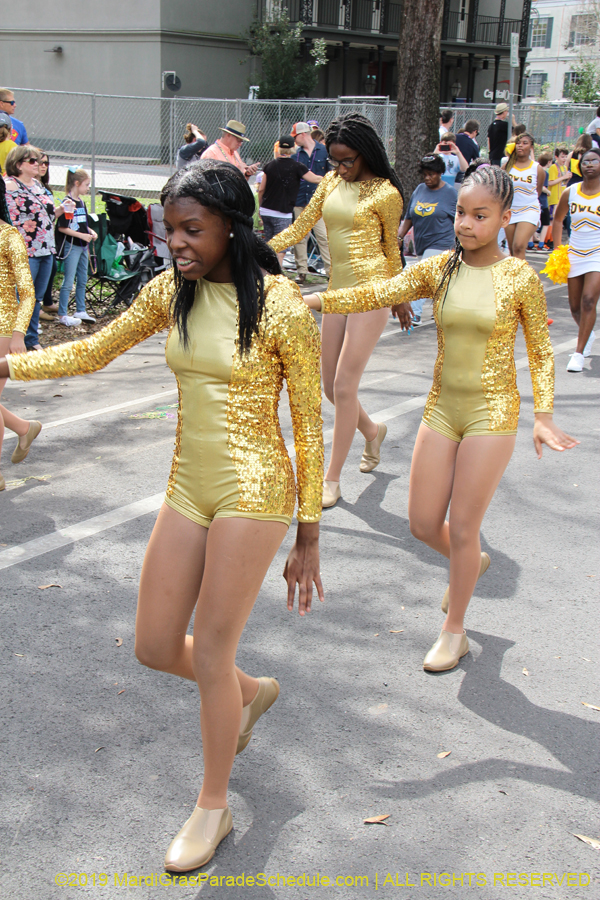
(14, 319)
(528, 182)
(234, 336)
(73, 237)
(361, 204)
(469, 424)
(582, 200)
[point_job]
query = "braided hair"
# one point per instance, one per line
(500, 186)
(358, 132)
(222, 188)
(513, 156)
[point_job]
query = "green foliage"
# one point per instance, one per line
(586, 87)
(278, 44)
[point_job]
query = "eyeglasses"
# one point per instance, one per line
(33, 162)
(346, 163)
(10, 102)
(42, 162)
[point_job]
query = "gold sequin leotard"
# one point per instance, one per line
(362, 220)
(230, 458)
(474, 388)
(15, 274)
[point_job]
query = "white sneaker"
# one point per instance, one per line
(587, 350)
(69, 321)
(85, 317)
(576, 362)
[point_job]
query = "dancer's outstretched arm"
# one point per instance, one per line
(147, 315)
(306, 220)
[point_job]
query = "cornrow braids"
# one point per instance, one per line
(221, 187)
(513, 156)
(500, 186)
(358, 132)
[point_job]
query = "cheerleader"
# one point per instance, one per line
(528, 182)
(582, 200)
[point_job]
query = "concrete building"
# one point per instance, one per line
(124, 48)
(115, 47)
(560, 31)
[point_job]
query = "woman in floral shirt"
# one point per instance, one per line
(32, 212)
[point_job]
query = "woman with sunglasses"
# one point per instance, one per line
(49, 308)
(32, 212)
(361, 204)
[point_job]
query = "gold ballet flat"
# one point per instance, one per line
(268, 692)
(331, 493)
(21, 452)
(197, 841)
(372, 452)
(485, 564)
(446, 652)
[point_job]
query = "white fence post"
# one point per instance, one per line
(93, 185)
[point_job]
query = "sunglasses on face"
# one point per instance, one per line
(33, 162)
(346, 163)
(42, 162)
(10, 102)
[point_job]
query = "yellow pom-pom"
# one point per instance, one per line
(557, 267)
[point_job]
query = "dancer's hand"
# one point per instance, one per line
(17, 343)
(546, 432)
(302, 568)
(313, 301)
(403, 312)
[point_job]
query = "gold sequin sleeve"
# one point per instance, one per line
(308, 218)
(413, 282)
(14, 273)
(533, 316)
(298, 344)
(390, 215)
(147, 315)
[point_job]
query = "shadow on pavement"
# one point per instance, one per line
(572, 741)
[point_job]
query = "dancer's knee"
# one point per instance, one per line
(588, 302)
(462, 533)
(423, 529)
(344, 390)
(156, 654)
(212, 659)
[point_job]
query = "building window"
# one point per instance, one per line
(584, 28)
(570, 78)
(541, 33)
(535, 84)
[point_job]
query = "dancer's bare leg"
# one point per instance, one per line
(464, 476)
(584, 291)
(362, 332)
(518, 236)
(8, 419)
(219, 571)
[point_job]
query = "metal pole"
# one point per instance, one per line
(510, 99)
(93, 186)
(514, 62)
(172, 133)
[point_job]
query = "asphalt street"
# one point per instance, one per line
(101, 758)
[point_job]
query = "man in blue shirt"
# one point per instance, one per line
(7, 105)
(314, 156)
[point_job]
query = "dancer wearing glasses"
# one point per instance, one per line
(361, 204)
(469, 426)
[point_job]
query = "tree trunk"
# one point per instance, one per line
(419, 59)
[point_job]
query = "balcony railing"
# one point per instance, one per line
(384, 17)
(462, 26)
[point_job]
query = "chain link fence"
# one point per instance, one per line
(129, 144)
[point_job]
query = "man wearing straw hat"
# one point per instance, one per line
(226, 147)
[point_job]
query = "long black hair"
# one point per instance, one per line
(4, 213)
(222, 188)
(357, 132)
(500, 186)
